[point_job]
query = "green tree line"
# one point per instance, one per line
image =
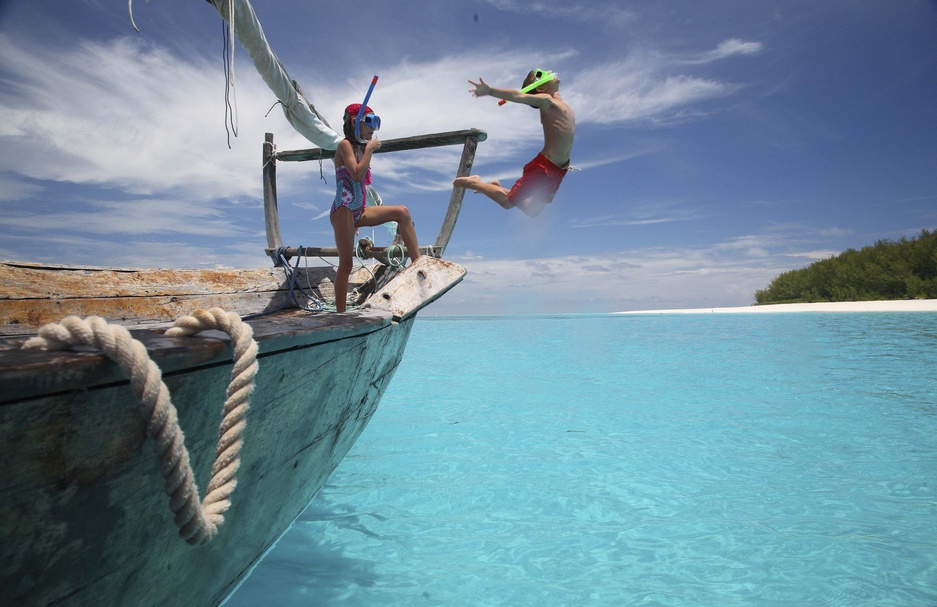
(902, 269)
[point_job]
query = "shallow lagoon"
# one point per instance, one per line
(677, 460)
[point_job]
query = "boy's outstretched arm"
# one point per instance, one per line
(483, 89)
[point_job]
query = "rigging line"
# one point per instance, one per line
(291, 273)
(273, 154)
(230, 91)
(273, 106)
(130, 12)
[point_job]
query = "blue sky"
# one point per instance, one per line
(719, 143)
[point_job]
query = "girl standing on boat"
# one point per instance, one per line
(349, 209)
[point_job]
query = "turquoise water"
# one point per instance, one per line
(674, 460)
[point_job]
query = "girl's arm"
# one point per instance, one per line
(358, 167)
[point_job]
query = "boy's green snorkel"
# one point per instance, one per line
(543, 76)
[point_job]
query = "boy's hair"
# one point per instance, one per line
(530, 79)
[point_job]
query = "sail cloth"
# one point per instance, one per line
(297, 109)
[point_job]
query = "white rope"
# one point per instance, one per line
(198, 522)
(130, 11)
(230, 93)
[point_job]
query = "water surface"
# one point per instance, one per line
(673, 460)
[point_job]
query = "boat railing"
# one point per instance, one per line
(468, 138)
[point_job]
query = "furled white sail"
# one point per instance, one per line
(296, 108)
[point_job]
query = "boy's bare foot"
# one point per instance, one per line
(492, 189)
(469, 183)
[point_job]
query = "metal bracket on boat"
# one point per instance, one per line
(421, 283)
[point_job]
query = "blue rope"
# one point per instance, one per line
(291, 273)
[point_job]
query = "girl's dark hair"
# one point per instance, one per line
(348, 129)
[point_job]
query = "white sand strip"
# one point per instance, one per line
(907, 305)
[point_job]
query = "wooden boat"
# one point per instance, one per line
(85, 517)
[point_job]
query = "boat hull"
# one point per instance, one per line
(86, 520)
(85, 517)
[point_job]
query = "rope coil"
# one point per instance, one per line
(198, 522)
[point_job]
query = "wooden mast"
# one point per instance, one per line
(271, 213)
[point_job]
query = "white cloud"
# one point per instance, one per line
(133, 217)
(727, 48)
(122, 114)
(135, 252)
(734, 46)
(642, 214)
(126, 114)
(636, 279)
(643, 86)
(611, 14)
(721, 274)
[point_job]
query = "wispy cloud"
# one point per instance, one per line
(133, 217)
(136, 252)
(720, 274)
(641, 215)
(624, 280)
(727, 48)
(121, 114)
(643, 87)
(608, 13)
(130, 115)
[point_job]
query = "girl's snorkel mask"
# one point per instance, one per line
(370, 119)
(541, 77)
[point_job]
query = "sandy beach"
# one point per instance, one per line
(908, 305)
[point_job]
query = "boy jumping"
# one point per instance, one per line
(542, 175)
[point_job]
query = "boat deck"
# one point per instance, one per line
(33, 373)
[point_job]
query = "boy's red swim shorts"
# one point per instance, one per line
(540, 181)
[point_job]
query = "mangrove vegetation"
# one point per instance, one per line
(901, 269)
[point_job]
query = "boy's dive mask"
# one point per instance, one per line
(541, 77)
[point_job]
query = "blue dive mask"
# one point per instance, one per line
(372, 121)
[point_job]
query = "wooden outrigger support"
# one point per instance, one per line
(469, 139)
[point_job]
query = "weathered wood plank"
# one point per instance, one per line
(419, 284)
(390, 145)
(32, 295)
(271, 211)
(455, 199)
(31, 281)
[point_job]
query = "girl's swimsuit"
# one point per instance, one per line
(350, 193)
(540, 181)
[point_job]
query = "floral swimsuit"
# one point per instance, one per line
(350, 193)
